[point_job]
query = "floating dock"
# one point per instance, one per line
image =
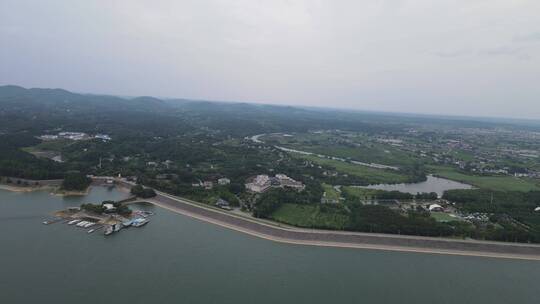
(91, 222)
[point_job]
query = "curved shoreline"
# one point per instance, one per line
(276, 232)
(345, 239)
(346, 245)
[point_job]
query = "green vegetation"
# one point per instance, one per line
(100, 208)
(143, 192)
(361, 193)
(273, 199)
(496, 183)
(369, 218)
(75, 181)
(53, 145)
(331, 193)
(312, 216)
(513, 211)
(184, 148)
(348, 146)
(364, 175)
(94, 208)
(371, 194)
(14, 162)
(443, 217)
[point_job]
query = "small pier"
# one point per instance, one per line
(107, 219)
(53, 221)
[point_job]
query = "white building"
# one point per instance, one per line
(224, 181)
(286, 181)
(262, 183)
(109, 207)
(103, 137)
(259, 184)
(73, 135)
(435, 208)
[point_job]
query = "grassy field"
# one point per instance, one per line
(54, 145)
(333, 145)
(443, 217)
(496, 183)
(376, 153)
(373, 175)
(331, 193)
(309, 216)
(361, 193)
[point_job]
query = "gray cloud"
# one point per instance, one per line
(532, 37)
(452, 54)
(452, 57)
(503, 50)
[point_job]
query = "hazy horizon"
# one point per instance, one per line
(471, 58)
(319, 107)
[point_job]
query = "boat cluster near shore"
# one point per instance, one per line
(108, 225)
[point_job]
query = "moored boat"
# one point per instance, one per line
(138, 222)
(109, 230)
(117, 227)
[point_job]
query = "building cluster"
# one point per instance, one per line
(262, 183)
(209, 184)
(75, 136)
(168, 164)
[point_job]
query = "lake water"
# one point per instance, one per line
(432, 184)
(177, 259)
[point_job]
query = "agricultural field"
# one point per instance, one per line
(495, 183)
(443, 217)
(345, 145)
(309, 216)
(361, 193)
(331, 193)
(370, 175)
(53, 145)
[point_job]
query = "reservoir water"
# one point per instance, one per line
(432, 184)
(177, 259)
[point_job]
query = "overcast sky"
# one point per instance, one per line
(465, 57)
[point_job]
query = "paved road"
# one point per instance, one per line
(345, 239)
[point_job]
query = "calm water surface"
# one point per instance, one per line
(432, 184)
(176, 259)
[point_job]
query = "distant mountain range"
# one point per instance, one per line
(60, 104)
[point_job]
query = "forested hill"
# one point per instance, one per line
(38, 110)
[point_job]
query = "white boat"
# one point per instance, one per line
(89, 224)
(138, 222)
(82, 224)
(74, 222)
(109, 230)
(117, 227)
